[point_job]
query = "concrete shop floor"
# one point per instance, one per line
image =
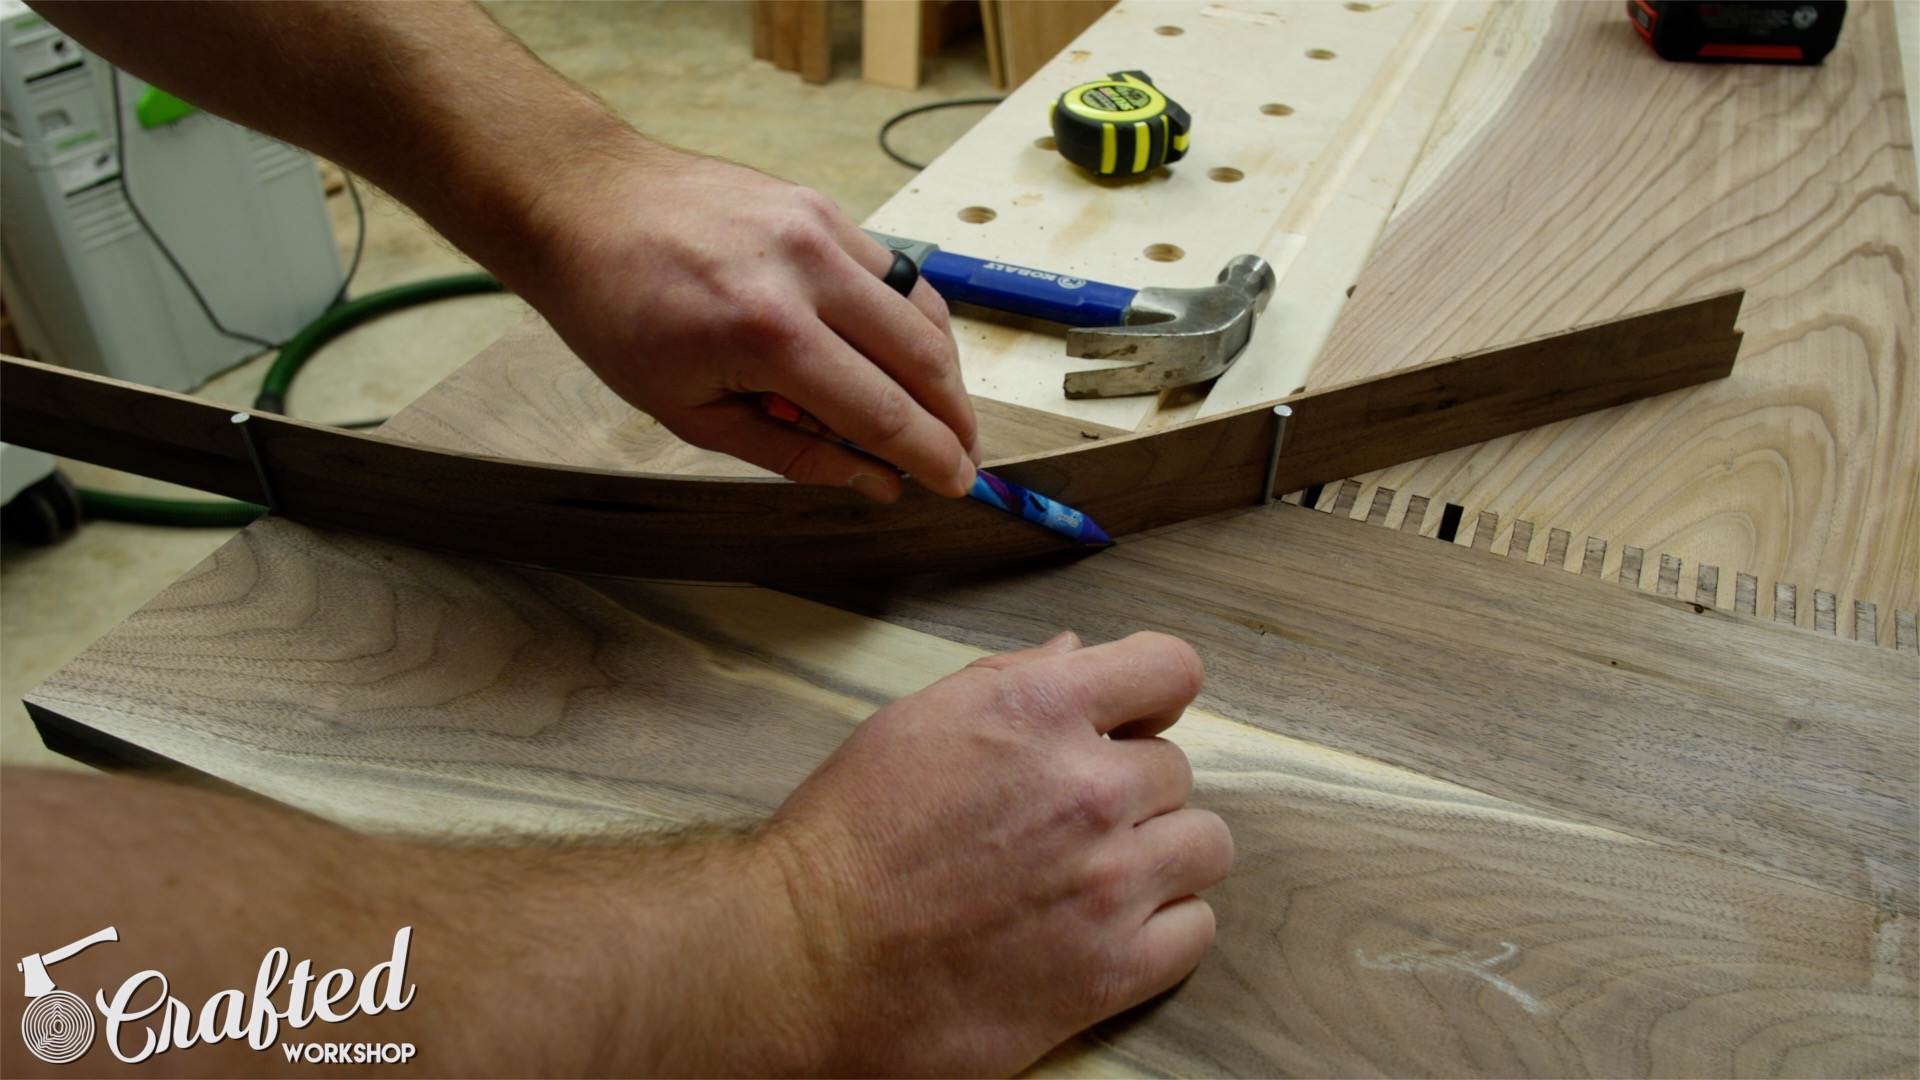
(681, 71)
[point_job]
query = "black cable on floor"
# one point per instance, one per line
(917, 110)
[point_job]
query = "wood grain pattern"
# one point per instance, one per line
(795, 35)
(1686, 840)
(1378, 920)
(1790, 753)
(600, 520)
(1377, 927)
(1646, 181)
(388, 688)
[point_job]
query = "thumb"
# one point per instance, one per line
(1060, 644)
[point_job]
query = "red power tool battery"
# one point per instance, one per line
(1748, 31)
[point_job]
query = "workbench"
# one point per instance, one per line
(1589, 750)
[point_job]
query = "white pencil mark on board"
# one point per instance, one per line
(1480, 969)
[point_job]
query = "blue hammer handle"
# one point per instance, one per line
(1021, 290)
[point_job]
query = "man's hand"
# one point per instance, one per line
(692, 286)
(997, 862)
(688, 284)
(983, 869)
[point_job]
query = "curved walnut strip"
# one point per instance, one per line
(732, 529)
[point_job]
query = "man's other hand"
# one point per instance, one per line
(1001, 860)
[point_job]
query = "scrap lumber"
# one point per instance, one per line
(735, 529)
(890, 42)
(796, 35)
(1027, 34)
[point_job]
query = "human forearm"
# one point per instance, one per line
(588, 958)
(981, 870)
(689, 285)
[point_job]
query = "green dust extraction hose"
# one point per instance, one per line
(143, 510)
(293, 356)
(341, 318)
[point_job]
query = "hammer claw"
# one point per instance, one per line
(1184, 336)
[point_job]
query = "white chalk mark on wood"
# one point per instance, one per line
(1479, 969)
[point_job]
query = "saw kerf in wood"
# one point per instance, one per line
(1861, 619)
(724, 529)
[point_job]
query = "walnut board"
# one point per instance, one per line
(1636, 712)
(1378, 920)
(1575, 174)
(603, 520)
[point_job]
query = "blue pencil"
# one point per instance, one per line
(1038, 509)
(987, 488)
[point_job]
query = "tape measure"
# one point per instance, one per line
(1119, 126)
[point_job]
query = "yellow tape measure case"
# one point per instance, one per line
(1119, 126)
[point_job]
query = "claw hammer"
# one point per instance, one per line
(1179, 336)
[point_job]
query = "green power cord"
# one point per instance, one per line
(333, 322)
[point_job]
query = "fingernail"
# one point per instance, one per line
(873, 487)
(965, 476)
(1064, 641)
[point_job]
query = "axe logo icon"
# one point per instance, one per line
(58, 1026)
(35, 966)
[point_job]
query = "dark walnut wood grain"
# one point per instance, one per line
(1787, 752)
(740, 529)
(1377, 920)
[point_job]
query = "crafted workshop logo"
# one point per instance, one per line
(59, 1027)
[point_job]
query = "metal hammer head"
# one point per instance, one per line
(1180, 336)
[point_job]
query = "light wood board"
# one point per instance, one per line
(890, 42)
(1027, 33)
(1576, 174)
(1328, 231)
